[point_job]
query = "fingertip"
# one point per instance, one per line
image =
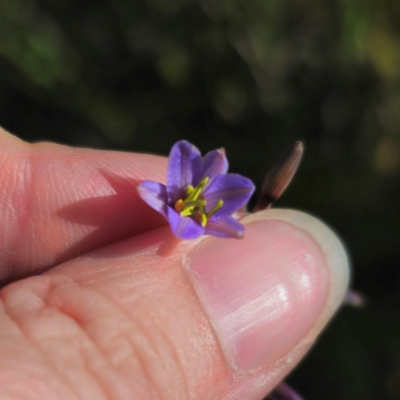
(334, 252)
(7, 138)
(272, 291)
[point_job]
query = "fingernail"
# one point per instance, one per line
(272, 291)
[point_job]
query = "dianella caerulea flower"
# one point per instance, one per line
(200, 196)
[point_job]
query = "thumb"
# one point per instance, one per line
(269, 296)
(153, 318)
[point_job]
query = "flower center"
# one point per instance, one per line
(194, 205)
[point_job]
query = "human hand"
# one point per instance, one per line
(149, 317)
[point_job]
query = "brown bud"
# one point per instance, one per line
(279, 176)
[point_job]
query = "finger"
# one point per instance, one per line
(57, 202)
(155, 318)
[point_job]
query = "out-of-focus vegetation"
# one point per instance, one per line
(252, 76)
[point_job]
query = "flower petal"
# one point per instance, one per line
(155, 195)
(225, 227)
(235, 191)
(184, 162)
(214, 163)
(184, 227)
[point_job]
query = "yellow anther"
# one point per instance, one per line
(179, 206)
(196, 192)
(204, 181)
(189, 207)
(219, 204)
(187, 212)
(203, 220)
(194, 205)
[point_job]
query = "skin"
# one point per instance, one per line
(107, 318)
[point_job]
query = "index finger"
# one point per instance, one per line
(57, 202)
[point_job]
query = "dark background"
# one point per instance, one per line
(252, 76)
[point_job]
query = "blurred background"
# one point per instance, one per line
(252, 76)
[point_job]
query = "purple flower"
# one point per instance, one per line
(200, 196)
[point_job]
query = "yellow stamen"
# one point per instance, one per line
(189, 206)
(194, 204)
(219, 204)
(179, 206)
(194, 195)
(203, 220)
(187, 212)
